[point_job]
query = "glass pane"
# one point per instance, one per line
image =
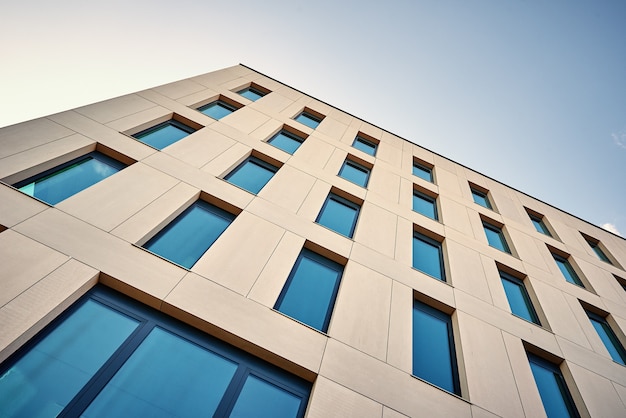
(162, 136)
(432, 349)
(354, 173)
(365, 146)
(568, 272)
(427, 258)
(609, 339)
(43, 381)
(217, 110)
(552, 389)
(495, 237)
(481, 199)
(540, 226)
(167, 376)
(285, 141)
(261, 399)
(72, 179)
(423, 172)
(251, 94)
(424, 205)
(308, 120)
(338, 216)
(519, 300)
(188, 236)
(251, 175)
(599, 252)
(311, 289)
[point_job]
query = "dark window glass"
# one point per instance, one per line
(434, 358)
(495, 237)
(567, 270)
(59, 183)
(518, 298)
(187, 237)
(310, 291)
(308, 119)
(339, 214)
(364, 145)
(99, 362)
(425, 205)
(217, 109)
(252, 174)
(251, 93)
(428, 256)
(540, 226)
(555, 396)
(596, 249)
(481, 198)
(164, 134)
(608, 337)
(423, 172)
(355, 173)
(286, 141)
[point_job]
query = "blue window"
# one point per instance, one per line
(61, 182)
(608, 337)
(365, 145)
(252, 174)
(286, 141)
(355, 172)
(555, 396)
(540, 226)
(481, 198)
(428, 256)
(217, 109)
(164, 134)
(311, 289)
(252, 93)
(187, 237)
(423, 172)
(595, 246)
(434, 358)
(109, 356)
(495, 237)
(309, 119)
(339, 214)
(568, 271)
(519, 300)
(424, 204)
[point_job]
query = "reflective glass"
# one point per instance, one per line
(355, 173)
(308, 120)
(44, 380)
(339, 215)
(552, 389)
(423, 172)
(608, 337)
(425, 205)
(596, 249)
(540, 226)
(433, 348)
(286, 141)
(427, 256)
(251, 175)
(481, 198)
(518, 298)
(217, 110)
(251, 93)
(567, 270)
(166, 376)
(261, 399)
(495, 237)
(163, 134)
(187, 237)
(364, 145)
(71, 178)
(310, 291)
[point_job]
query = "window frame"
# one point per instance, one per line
(428, 171)
(368, 143)
(252, 159)
(525, 296)
(434, 243)
(427, 198)
(500, 232)
(476, 192)
(289, 135)
(576, 280)
(254, 89)
(561, 383)
(218, 102)
(610, 334)
(540, 225)
(343, 201)
(356, 166)
(597, 249)
(311, 116)
(170, 122)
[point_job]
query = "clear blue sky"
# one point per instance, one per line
(531, 93)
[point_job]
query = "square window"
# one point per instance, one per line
(65, 180)
(519, 300)
(252, 174)
(286, 141)
(424, 204)
(185, 239)
(164, 134)
(481, 198)
(434, 357)
(339, 214)
(217, 109)
(252, 93)
(567, 270)
(355, 172)
(555, 396)
(428, 256)
(495, 237)
(311, 289)
(608, 337)
(365, 145)
(422, 171)
(309, 119)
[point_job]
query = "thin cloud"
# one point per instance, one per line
(620, 140)
(610, 227)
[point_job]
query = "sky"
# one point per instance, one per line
(529, 92)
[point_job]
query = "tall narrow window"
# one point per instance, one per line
(311, 289)
(608, 337)
(434, 357)
(309, 119)
(339, 214)
(567, 270)
(481, 198)
(355, 172)
(424, 204)
(286, 141)
(519, 300)
(217, 109)
(423, 172)
(555, 396)
(428, 256)
(61, 182)
(595, 246)
(186, 238)
(365, 145)
(495, 237)
(252, 174)
(164, 134)
(539, 224)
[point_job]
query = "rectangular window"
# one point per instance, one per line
(568, 271)
(110, 356)
(164, 134)
(595, 246)
(355, 172)
(481, 198)
(286, 141)
(423, 172)
(608, 337)
(519, 300)
(365, 145)
(555, 396)
(428, 256)
(339, 214)
(185, 239)
(311, 289)
(252, 93)
(309, 119)
(65, 180)
(217, 109)
(495, 237)
(434, 357)
(540, 226)
(252, 174)
(424, 204)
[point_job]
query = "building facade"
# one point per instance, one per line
(227, 245)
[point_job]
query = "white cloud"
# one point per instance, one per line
(620, 139)
(610, 227)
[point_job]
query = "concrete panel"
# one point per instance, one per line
(390, 413)
(400, 346)
(200, 148)
(109, 110)
(329, 400)
(314, 153)
(376, 229)
(273, 102)
(583, 357)
(228, 160)
(137, 122)
(245, 119)
(466, 270)
(385, 184)
(16, 207)
(599, 395)
(23, 136)
(448, 183)
(289, 188)
(179, 89)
